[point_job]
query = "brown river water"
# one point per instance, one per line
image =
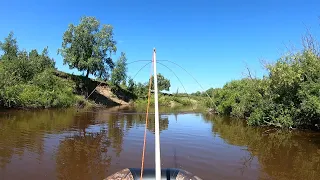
(92, 144)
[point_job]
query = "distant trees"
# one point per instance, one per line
(141, 89)
(163, 83)
(88, 47)
(198, 93)
(206, 93)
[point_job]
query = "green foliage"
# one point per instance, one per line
(168, 100)
(28, 80)
(130, 84)
(288, 97)
(86, 45)
(140, 90)
(239, 98)
(210, 92)
(163, 83)
(172, 101)
(119, 73)
(9, 47)
(185, 101)
(198, 93)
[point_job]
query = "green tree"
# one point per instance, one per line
(209, 92)
(27, 79)
(41, 61)
(131, 84)
(140, 90)
(9, 47)
(287, 97)
(86, 47)
(163, 83)
(119, 73)
(198, 93)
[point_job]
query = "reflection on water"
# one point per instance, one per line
(67, 144)
(282, 155)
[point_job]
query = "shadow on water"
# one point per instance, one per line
(71, 144)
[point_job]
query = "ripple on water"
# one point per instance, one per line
(82, 146)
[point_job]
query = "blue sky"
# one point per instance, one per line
(213, 40)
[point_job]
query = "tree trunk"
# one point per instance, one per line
(87, 75)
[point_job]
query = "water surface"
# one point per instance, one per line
(71, 144)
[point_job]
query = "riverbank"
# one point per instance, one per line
(56, 89)
(288, 97)
(29, 79)
(175, 103)
(100, 93)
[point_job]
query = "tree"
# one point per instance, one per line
(41, 61)
(131, 84)
(198, 93)
(86, 47)
(119, 73)
(9, 47)
(27, 79)
(163, 83)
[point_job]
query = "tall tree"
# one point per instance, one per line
(163, 83)
(88, 47)
(9, 47)
(119, 73)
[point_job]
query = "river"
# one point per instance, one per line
(92, 144)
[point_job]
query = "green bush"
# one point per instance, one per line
(288, 97)
(28, 80)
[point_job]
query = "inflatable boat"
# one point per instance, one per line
(166, 174)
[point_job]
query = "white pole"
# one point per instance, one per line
(157, 129)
